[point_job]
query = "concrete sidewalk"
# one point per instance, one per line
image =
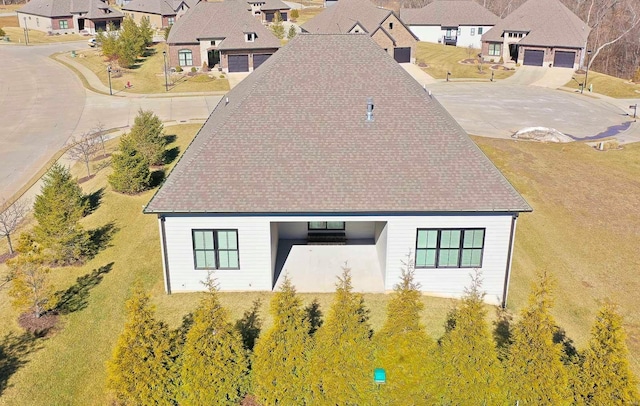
(418, 74)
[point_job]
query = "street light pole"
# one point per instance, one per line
(109, 73)
(26, 32)
(586, 75)
(166, 82)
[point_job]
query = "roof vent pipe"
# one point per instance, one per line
(369, 108)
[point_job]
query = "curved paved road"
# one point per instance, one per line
(43, 104)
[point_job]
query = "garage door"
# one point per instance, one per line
(533, 57)
(563, 59)
(402, 55)
(259, 59)
(238, 63)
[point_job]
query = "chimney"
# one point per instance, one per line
(369, 109)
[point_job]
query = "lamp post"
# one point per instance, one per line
(166, 82)
(26, 32)
(109, 73)
(586, 75)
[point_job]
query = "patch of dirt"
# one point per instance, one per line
(6, 256)
(38, 326)
(423, 65)
(499, 67)
(468, 62)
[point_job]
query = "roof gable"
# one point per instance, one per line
(228, 20)
(92, 9)
(413, 157)
(159, 7)
(449, 13)
(340, 18)
(548, 23)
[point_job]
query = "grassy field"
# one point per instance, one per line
(6, 22)
(583, 230)
(441, 58)
(148, 75)
(307, 14)
(7, 8)
(16, 35)
(608, 85)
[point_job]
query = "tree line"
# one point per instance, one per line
(307, 359)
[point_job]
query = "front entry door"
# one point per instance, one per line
(214, 57)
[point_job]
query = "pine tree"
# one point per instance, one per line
(605, 377)
(280, 367)
(342, 360)
(139, 371)
(130, 44)
(147, 136)
(214, 363)
(109, 43)
(292, 32)
(471, 372)
(294, 14)
(403, 348)
(536, 373)
(146, 32)
(130, 169)
(31, 290)
(277, 28)
(58, 210)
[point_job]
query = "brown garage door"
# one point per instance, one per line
(238, 63)
(563, 59)
(402, 55)
(259, 60)
(533, 57)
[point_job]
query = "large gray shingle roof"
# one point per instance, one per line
(293, 138)
(548, 22)
(449, 13)
(229, 20)
(159, 7)
(341, 17)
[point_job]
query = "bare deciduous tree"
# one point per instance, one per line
(11, 216)
(100, 134)
(84, 149)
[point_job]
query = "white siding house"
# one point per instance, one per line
(367, 172)
(451, 22)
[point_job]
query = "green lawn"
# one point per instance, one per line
(442, 59)
(608, 85)
(148, 75)
(583, 230)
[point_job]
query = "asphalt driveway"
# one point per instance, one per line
(498, 109)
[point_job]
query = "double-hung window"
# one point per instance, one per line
(216, 249)
(449, 248)
(480, 30)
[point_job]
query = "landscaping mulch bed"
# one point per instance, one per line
(472, 61)
(6, 256)
(499, 67)
(38, 326)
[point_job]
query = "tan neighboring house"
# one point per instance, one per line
(68, 16)
(361, 16)
(460, 23)
(222, 35)
(265, 10)
(161, 13)
(538, 33)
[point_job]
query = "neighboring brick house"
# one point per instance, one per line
(69, 16)
(331, 155)
(161, 13)
(538, 33)
(265, 10)
(461, 23)
(361, 16)
(223, 35)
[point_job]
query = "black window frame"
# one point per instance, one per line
(325, 226)
(216, 249)
(460, 248)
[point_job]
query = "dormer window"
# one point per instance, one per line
(250, 36)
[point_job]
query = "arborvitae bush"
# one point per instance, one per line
(139, 372)
(294, 14)
(534, 366)
(58, 210)
(147, 137)
(470, 370)
(342, 360)
(606, 377)
(130, 169)
(214, 362)
(403, 348)
(281, 366)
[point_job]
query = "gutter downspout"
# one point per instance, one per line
(165, 258)
(507, 273)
